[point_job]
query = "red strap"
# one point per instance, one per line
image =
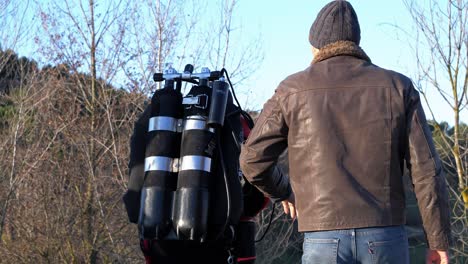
(266, 200)
(246, 259)
(247, 219)
(146, 248)
(245, 127)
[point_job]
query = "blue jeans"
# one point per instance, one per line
(383, 245)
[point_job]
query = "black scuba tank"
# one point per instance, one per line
(198, 145)
(161, 162)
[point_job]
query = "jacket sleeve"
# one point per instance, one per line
(259, 155)
(427, 175)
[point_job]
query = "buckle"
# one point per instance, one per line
(199, 101)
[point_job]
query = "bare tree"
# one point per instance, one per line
(178, 32)
(441, 54)
(281, 243)
(93, 43)
(169, 33)
(441, 51)
(65, 134)
(16, 23)
(14, 75)
(228, 50)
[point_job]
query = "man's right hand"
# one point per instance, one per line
(437, 257)
(289, 206)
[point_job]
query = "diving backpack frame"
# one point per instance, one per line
(184, 160)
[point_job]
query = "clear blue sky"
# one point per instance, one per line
(284, 26)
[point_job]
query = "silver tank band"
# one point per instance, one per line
(197, 123)
(163, 123)
(196, 163)
(160, 163)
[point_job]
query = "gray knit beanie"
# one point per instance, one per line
(336, 21)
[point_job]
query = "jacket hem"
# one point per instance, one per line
(360, 223)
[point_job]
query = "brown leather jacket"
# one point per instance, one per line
(349, 127)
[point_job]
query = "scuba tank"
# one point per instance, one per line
(190, 211)
(161, 162)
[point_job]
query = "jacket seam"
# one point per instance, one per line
(264, 121)
(335, 88)
(426, 141)
(388, 169)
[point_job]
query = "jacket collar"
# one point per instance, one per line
(339, 48)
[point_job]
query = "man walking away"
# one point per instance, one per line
(349, 127)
